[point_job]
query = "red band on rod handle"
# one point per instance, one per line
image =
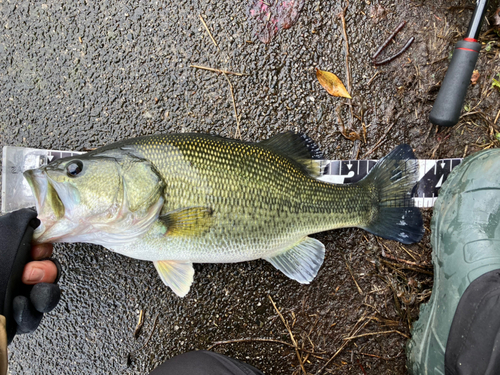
(467, 49)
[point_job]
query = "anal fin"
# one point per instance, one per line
(302, 261)
(176, 275)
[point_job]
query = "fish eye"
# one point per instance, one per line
(74, 168)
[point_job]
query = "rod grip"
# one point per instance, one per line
(451, 95)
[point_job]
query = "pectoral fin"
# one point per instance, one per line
(176, 275)
(188, 221)
(302, 261)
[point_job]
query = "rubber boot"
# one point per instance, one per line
(465, 240)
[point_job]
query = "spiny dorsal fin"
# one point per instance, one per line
(176, 275)
(302, 261)
(187, 221)
(298, 147)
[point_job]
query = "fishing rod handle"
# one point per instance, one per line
(451, 95)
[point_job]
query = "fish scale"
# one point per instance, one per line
(184, 198)
(261, 200)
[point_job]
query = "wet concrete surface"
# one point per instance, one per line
(78, 75)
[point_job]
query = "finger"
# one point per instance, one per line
(39, 272)
(40, 251)
(25, 315)
(45, 297)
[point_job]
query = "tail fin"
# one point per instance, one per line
(393, 178)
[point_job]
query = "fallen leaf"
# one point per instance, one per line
(377, 13)
(475, 77)
(496, 83)
(288, 12)
(496, 19)
(332, 84)
(353, 136)
(269, 17)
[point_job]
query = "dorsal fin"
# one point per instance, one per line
(298, 147)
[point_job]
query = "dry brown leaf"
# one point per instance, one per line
(332, 84)
(475, 77)
(377, 13)
(496, 19)
(353, 136)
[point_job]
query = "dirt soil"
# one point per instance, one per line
(78, 75)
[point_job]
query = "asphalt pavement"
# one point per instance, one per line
(78, 75)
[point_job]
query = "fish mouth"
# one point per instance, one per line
(49, 205)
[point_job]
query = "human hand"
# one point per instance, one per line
(41, 270)
(23, 305)
(43, 273)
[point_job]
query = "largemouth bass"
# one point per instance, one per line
(181, 199)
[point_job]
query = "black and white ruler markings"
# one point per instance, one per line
(16, 192)
(432, 174)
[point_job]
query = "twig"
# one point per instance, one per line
(237, 133)
(208, 31)
(291, 335)
(360, 365)
(398, 259)
(345, 343)
(465, 151)
(344, 33)
(225, 73)
(257, 339)
(332, 357)
(140, 323)
(151, 334)
(375, 333)
(416, 268)
(429, 132)
(347, 69)
(496, 118)
(352, 275)
(381, 140)
(217, 70)
(388, 40)
(409, 252)
(397, 54)
(402, 260)
(371, 79)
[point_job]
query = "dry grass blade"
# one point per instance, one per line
(380, 142)
(237, 133)
(208, 31)
(352, 275)
(374, 334)
(140, 323)
(354, 329)
(152, 331)
(221, 71)
(291, 336)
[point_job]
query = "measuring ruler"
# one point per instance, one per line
(16, 192)
(432, 174)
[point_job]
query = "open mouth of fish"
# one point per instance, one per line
(49, 205)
